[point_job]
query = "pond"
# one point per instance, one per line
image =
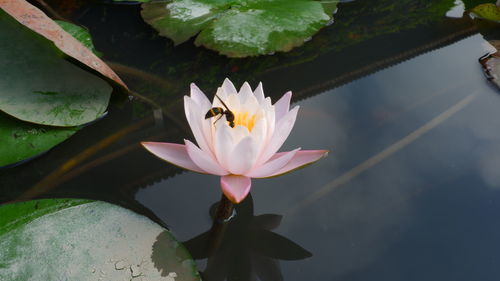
(409, 191)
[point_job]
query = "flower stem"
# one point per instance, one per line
(224, 211)
(223, 214)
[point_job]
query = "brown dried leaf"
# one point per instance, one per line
(36, 20)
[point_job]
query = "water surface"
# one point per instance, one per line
(410, 190)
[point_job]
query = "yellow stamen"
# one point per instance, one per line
(244, 119)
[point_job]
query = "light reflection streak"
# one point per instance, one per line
(374, 160)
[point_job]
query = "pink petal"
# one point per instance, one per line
(203, 160)
(301, 159)
(275, 164)
(173, 153)
(228, 87)
(259, 93)
(199, 97)
(280, 134)
(236, 188)
(282, 106)
(243, 156)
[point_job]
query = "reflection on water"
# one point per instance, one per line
(245, 247)
(457, 11)
(410, 145)
(410, 189)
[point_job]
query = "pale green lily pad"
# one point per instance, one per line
(81, 34)
(487, 11)
(240, 28)
(38, 85)
(22, 140)
(77, 240)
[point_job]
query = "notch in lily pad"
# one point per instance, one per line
(240, 28)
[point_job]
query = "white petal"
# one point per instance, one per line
(228, 87)
(267, 103)
(203, 160)
(243, 156)
(233, 103)
(196, 120)
(282, 106)
(273, 165)
(173, 153)
(259, 93)
(235, 188)
(199, 97)
(221, 94)
(251, 105)
(204, 105)
(259, 131)
(207, 126)
(271, 122)
(245, 92)
(301, 159)
(280, 134)
(238, 133)
(223, 143)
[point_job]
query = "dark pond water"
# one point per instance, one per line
(410, 190)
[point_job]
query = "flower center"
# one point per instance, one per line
(244, 119)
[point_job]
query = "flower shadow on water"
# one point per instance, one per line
(244, 248)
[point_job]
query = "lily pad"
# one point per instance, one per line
(239, 28)
(34, 19)
(38, 85)
(79, 33)
(131, 1)
(487, 11)
(71, 239)
(22, 140)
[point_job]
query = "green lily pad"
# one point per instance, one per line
(487, 11)
(71, 239)
(139, 1)
(22, 140)
(81, 34)
(38, 85)
(240, 28)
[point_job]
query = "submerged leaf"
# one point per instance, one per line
(79, 33)
(36, 20)
(240, 28)
(38, 85)
(78, 240)
(487, 11)
(21, 140)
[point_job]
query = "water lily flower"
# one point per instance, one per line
(240, 150)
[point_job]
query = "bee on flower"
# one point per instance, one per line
(238, 136)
